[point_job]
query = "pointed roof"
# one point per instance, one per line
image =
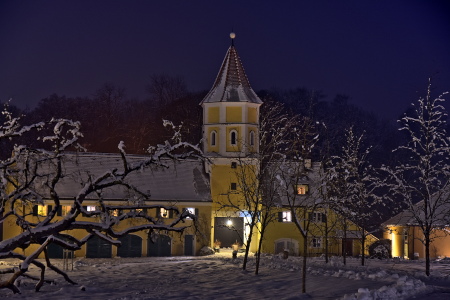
(231, 83)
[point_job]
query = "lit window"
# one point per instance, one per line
(65, 210)
(316, 243)
(164, 213)
(302, 189)
(42, 210)
(190, 210)
(286, 216)
(90, 208)
(233, 138)
(115, 213)
(213, 138)
(233, 186)
(252, 138)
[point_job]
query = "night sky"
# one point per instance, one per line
(377, 52)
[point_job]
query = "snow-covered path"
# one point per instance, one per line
(213, 277)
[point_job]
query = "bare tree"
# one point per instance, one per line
(164, 88)
(32, 176)
(298, 183)
(356, 198)
(423, 181)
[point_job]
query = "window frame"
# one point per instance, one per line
(287, 217)
(316, 243)
(252, 138)
(233, 131)
(300, 186)
(213, 138)
(42, 210)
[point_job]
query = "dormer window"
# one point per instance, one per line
(213, 138)
(302, 189)
(252, 139)
(233, 138)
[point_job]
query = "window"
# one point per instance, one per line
(318, 217)
(252, 138)
(65, 210)
(42, 210)
(234, 165)
(164, 213)
(285, 217)
(213, 138)
(233, 138)
(302, 189)
(192, 210)
(316, 243)
(233, 186)
(90, 208)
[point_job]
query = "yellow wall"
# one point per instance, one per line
(215, 148)
(230, 148)
(280, 230)
(10, 230)
(213, 115)
(234, 114)
(440, 245)
(252, 115)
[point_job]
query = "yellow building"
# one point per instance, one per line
(407, 238)
(230, 137)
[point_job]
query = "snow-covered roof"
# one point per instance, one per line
(231, 83)
(183, 180)
(439, 216)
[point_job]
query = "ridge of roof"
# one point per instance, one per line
(231, 83)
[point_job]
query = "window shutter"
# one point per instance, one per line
(310, 216)
(170, 214)
(49, 209)
(196, 212)
(35, 210)
(158, 212)
(85, 208)
(280, 217)
(145, 210)
(324, 218)
(59, 211)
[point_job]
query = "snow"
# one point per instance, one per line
(220, 276)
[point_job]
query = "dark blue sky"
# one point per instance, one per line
(378, 52)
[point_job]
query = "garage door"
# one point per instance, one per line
(98, 248)
(131, 246)
(161, 247)
(56, 251)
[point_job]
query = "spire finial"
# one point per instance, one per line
(232, 36)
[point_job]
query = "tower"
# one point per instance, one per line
(230, 112)
(230, 136)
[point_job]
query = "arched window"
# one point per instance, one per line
(252, 139)
(233, 138)
(213, 138)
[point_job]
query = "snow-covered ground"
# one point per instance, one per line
(220, 277)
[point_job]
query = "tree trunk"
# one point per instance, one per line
(344, 246)
(258, 255)
(244, 265)
(305, 249)
(363, 242)
(326, 241)
(427, 253)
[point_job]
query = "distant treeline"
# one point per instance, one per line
(109, 116)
